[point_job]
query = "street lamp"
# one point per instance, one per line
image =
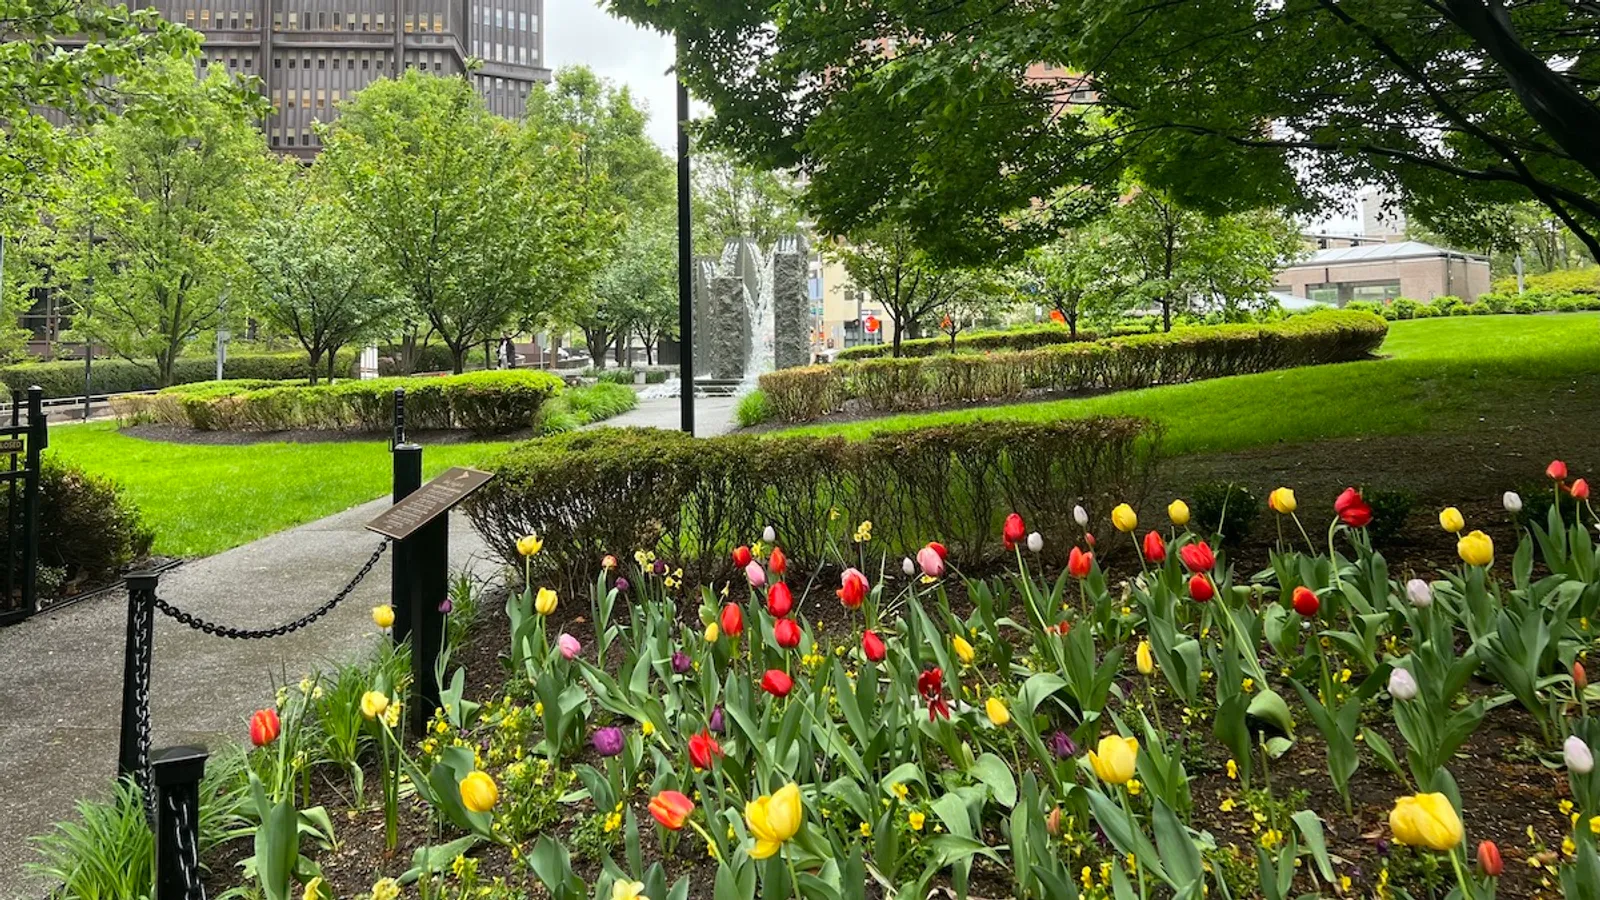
(685, 251)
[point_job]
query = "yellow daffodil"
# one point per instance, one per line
(1142, 656)
(998, 714)
(962, 648)
(530, 545)
(1124, 518)
(478, 792)
(1178, 512)
(383, 616)
(373, 703)
(1281, 500)
(545, 602)
(627, 890)
(1233, 770)
(774, 819)
(1116, 758)
(1426, 820)
(1476, 549)
(1451, 520)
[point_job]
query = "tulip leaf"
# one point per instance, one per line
(437, 858)
(1037, 688)
(1311, 829)
(849, 791)
(952, 810)
(905, 773)
(1114, 821)
(956, 848)
(996, 775)
(1178, 850)
(1268, 706)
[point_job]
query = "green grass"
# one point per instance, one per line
(1442, 375)
(205, 499)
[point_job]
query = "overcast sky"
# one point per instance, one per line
(581, 31)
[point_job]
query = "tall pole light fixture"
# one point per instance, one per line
(685, 251)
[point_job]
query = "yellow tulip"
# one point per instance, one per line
(1426, 820)
(627, 890)
(530, 545)
(1116, 758)
(1124, 518)
(478, 792)
(998, 714)
(545, 602)
(373, 704)
(1147, 663)
(1178, 512)
(383, 616)
(963, 649)
(774, 819)
(1450, 519)
(1476, 549)
(1281, 500)
(712, 633)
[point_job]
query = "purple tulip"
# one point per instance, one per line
(716, 720)
(660, 568)
(608, 741)
(622, 585)
(681, 663)
(1062, 745)
(445, 606)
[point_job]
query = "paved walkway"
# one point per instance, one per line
(712, 415)
(61, 687)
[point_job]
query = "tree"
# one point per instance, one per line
(1077, 275)
(147, 234)
(650, 280)
(884, 261)
(971, 297)
(731, 201)
(937, 114)
(479, 222)
(1500, 231)
(312, 280)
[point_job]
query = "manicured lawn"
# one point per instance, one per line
(1499, 372)
(205, 499)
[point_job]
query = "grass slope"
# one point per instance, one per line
(1450, 374)
(203, 499)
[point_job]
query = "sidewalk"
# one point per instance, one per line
(61, 692)
(712, 415)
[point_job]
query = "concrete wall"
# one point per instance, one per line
(1420, 279)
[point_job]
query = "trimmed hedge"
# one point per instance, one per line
(619, 490)
(1137, 361)
(480, 402)
(1023, 337)
(1530, 302)
(118, 376)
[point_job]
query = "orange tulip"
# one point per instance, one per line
(671, 809)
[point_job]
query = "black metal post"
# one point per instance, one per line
(38, 439)
(685, 252)
(134, 744)
(407, 478)
(427, 554)
(177, 774)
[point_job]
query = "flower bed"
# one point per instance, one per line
(481, 402)
(884, 385)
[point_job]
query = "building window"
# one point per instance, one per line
(499, 18)
(249, 61)
(291, 139)
(475, 47)
(306, 22)
(408, 25)
(523, 22)
(322, 99)
(322, 60)
(277, 63)
(305, 99)
(522, 54)
(380, 21)
(188, 17)
(322, 21)
(205, 18)
(277, 21)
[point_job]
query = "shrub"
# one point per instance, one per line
(618, 490)
(1496, 302)
(1404, 308)
(1024, 337)
(1478, 309)
(1428, 312)
(1459, 310)
(1225, 508)
(1443, 304)
(482, 402)
(1524, 307)
(881, 385)
(754, 408)
(580, 406)
(1363, 306)
(117, 376)
(1389, 511)
(88, 531)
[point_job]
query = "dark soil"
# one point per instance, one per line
(174, 434)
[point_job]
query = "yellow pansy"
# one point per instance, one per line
(917, 820)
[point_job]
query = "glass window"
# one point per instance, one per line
(249, 20)
(499, 18)
(522, 19)
(205, 18)
(438, 24)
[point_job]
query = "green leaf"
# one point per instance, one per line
(995, 773)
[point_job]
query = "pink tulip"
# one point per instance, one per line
(568, 645)
(931, 563)
(756, 574)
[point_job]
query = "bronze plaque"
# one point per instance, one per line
(428, 502)
(11, 445)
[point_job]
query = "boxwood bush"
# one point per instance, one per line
(620, 490)
(117, 376)
(1136, 361)
(480, 402)
(88, 531)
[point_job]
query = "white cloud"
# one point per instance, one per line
(583, 32)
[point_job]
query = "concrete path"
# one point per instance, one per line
(61, 672)
(712, 415)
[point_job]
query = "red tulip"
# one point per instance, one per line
(732, 620)
(264, 727)
(777, 683)
(1155, 549)
(786, 633)
(1353, 511)
(939, 549)
(1489, 859)
(930, 684)
(1088, 538)
(872, 646)
(1013, 531)
(853, 588)
(1580, 678)
(779, 600)
(1079, 562)
(1306, 602)
(1197, 556)
(1200, 588)
(702, 748)
(1557, 470)
(671, 809)
(778, 563)
(1580, 489)
(741, 556)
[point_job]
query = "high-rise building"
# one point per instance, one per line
(311, 54)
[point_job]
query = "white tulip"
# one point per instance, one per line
(1081, 516)
(1512, 501)
(1420, 593)
(1401, 685)
(908, 567)
(1577, 755)
(1035, 542)
(769, 535)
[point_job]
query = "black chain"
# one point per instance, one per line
(244, 634)
(188, 850)
(143, 774)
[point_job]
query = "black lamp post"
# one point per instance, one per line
(685, 252)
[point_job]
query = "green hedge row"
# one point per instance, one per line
(1025, 337)
(691, 501)
(1122, 363)
(117, 376)
(480, 402)
(1526, 303)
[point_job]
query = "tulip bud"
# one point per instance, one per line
(1420, 593)
(1052, 822)
(1402, 685)
(908, 567)
(1580, 489)
(1580, 678)
(769, 534)
(1512, 501)
(1489, 859)
(569, 646)
(1556, 470)
(756, 575)
(1035, 542)
(1577, 756)
(1081, 516)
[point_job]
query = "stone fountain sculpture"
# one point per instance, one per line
(752, 310)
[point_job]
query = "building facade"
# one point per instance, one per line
(312, 54)
(1382, 272)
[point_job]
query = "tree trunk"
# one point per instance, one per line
(333, 362)
(316, 362)
(458, 357)
(898, 331)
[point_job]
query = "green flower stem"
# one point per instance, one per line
(1133, 826)
(1461, 876)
